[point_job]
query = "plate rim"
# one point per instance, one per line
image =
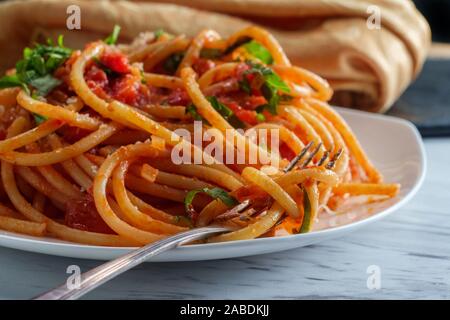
(57, 243)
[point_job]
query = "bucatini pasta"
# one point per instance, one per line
(123, 145)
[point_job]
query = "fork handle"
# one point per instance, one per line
(107, 271)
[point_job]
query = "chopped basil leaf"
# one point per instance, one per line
(270, 77)
(107, 70)
(184, 220)
(257, 67)
(222, 195)
(272, 97)
(260, 117)
(45, 84)
(172, 62)
(39, 119)
(258, 51)
(223, 110)
(244, 85)
(53, 61)
(158, 33)
(226, 113)
(189, 198)
(143, 81)
(37, 66)
(306, 223)
(10, 81)
(220, 107)
(276, 82)
(112, 38)
(216, 193)
(192, 110)
(61, 41)
(271, 84)
(28, 75)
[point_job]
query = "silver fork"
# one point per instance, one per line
(107, 271)
(244, 205)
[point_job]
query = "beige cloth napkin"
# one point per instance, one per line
(368, 68)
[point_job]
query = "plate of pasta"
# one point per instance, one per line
(115, 146)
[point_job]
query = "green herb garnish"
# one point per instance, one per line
(61, 41)
(143, 81)
(272, 97)
(183, 220)
(226, 112)
(107, 70)
(39, 119)
(270, 85)
(307, 214)
(192, 110)
(112, 38)
(216, 193)
(158, 33)
(12, 81)
(36, 68)
(245, 86)
(260, 117)
(45, 84)
(258, 51)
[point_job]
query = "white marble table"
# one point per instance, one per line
(411, 247)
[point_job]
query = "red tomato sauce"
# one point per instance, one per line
(286, 152)
(178, 97)
(115, 61)
(82, 214)
(241, 103)
(111, 78)
(202, 65)
(2, 134)
(73, 134)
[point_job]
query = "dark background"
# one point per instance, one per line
(437, 13)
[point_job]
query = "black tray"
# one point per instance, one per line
(427, 101)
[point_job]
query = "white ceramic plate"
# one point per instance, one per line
(395, 147)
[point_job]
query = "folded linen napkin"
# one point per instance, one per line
(367, 67)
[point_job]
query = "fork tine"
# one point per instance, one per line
(297, 158)
(312, 155)
(238, 208)
(324, 157)
(233, 214)
(247, 203)
(332, 163)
